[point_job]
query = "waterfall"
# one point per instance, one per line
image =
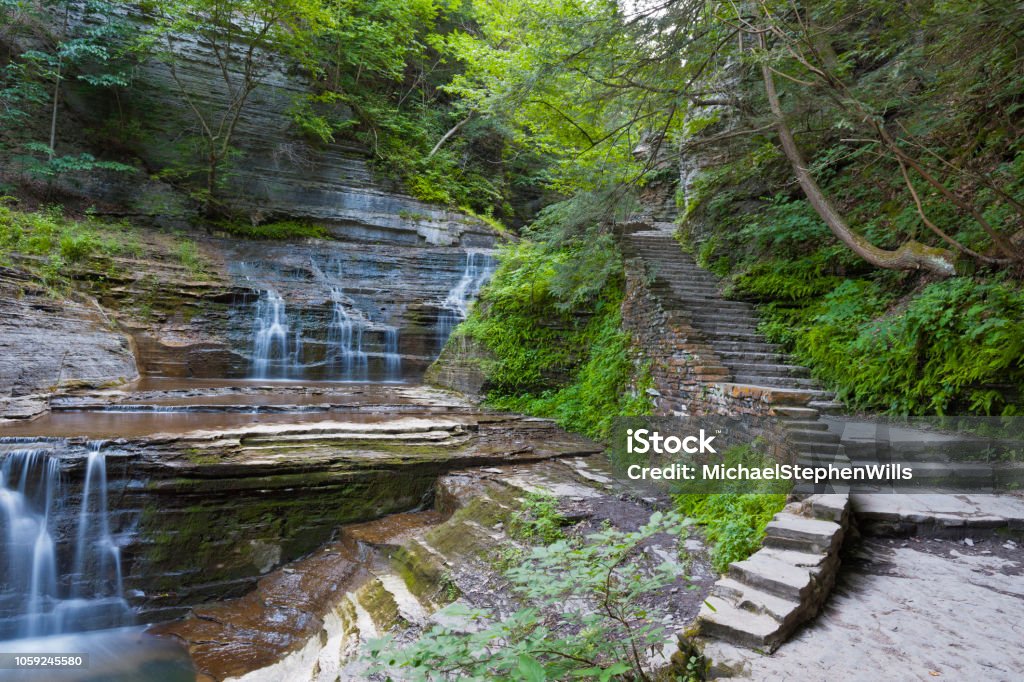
(478, 269)
(392, 360)
(345, 339)
(270, 357)
(36, 597)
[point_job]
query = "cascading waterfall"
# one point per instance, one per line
(392, 360)
(37, 598)
(478, 269)
(270, 356)
(345, 339)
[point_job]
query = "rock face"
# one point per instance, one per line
(372, 297)
(47, 342)
(210, 489)
(322, 309)
(275, 172)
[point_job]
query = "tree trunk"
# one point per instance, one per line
(56, 85)
(447, 136)
(911, 255)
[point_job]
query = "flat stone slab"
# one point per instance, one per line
(772, 575)
(917, 610)
(828, 507)
(720, 618)
(793, 531)
(980, 512)
(756, 601)
(812, 562)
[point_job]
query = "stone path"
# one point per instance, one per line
(957, 516)
(914, 610)
(763, 599)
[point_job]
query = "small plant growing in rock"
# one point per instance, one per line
(539, 520)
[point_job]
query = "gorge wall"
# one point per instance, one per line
(374, 299)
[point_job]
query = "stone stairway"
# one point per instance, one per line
(729, 327)
(763, 599)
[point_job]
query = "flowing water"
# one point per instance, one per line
(42, 592)
(478, 268)
(271, 358)
(62, 529)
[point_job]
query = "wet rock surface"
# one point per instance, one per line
(390, 576)
(204, 503)
(916, 610)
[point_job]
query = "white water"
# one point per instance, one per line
(37, 597)
(270, 356)
(392, 360)
(477, 271)
(345, 341)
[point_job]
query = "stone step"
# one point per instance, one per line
(721, 619)
(750, 356)
(754, 600)
(828, 507)
(773, 576)
(684, 281)
(715, 314)
(818, 434)
(813, 447)
(781, 382)
(806, 413)
(679, 279)
(726, 335)
(709, 295)
(687, 296)
(717, 328)
(735, 348)
(764, 368)
(811, 461)
(828, 406)
(791, 531)
(802, 425)
(815, 563)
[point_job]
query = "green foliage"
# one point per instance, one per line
(280, 229)
(538, 521)
(51, 166)
(189, 255)
(733, 522)
(558, 350)
(246, 38)
(583, 617)
(53, 242)
(944, 349)
(73, 41)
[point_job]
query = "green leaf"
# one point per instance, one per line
(531, 669)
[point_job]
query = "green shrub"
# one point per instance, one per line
(539, 520)
(556, 340)
(584, 615)
(189, 255)
(281, 229)
(733, 523)
(57, 241)
(939, 351)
